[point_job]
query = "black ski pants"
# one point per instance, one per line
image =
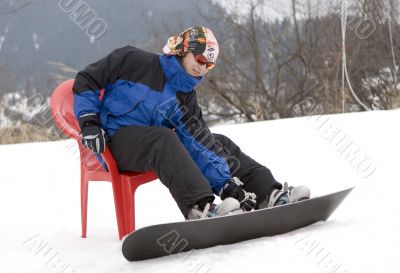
(158, 149)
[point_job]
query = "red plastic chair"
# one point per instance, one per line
(124, 184)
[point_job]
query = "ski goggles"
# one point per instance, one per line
(201, 60)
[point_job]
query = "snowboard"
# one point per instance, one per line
(172, 238)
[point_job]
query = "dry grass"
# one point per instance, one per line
(26, 133)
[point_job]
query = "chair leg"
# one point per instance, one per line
(133, 215)
(129, 206)
(119, 206)
(84, 203)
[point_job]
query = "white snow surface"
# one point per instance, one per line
(40, 203)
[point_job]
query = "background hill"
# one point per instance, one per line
(42, 32)
(277, 60)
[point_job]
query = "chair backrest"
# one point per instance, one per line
(62, 109)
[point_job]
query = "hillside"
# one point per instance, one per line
(40, 203)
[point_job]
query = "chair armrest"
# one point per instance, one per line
(110, 161)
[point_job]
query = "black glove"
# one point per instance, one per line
(232, 189)
(93, 136)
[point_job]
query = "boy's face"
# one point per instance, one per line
(193, 67)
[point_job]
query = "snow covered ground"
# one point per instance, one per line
(40, 207)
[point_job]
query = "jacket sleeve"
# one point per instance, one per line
(208, 153)
(96, 76)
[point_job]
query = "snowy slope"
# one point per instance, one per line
(40, 207)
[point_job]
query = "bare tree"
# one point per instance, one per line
(267, 68)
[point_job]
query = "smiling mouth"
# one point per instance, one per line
(196, 72)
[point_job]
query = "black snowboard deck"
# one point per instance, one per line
(171, 238)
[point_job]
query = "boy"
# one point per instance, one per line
(150, 119)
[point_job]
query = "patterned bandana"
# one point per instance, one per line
(198, 40)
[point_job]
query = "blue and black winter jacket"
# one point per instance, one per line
(146, 89)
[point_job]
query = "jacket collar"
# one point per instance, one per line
(177, 77)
